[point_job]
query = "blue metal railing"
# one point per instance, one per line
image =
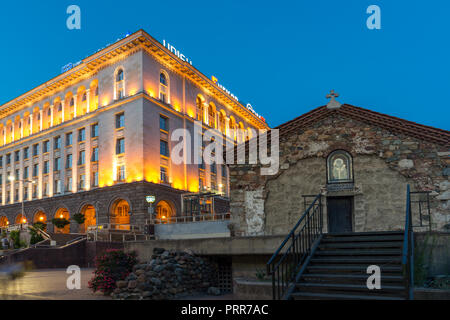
(408, 248)
(294, 251)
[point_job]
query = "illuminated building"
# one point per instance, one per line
(96, 139)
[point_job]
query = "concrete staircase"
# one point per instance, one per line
(338, 268)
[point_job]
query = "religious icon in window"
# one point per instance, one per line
(339, 167)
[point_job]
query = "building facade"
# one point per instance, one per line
(360, 162)
(96, 139)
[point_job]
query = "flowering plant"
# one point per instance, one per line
(110, 267)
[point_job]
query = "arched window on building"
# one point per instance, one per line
(164, 87)
(339, 167)
(212, 115)
(119, 88)
(200, 110)
(222, 123)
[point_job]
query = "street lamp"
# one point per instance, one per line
(12, 179)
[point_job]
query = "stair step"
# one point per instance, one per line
(357, 260)
(348, 278)
(359, 269)
(364, 238)
(370, 233)
(347, 287)
(368, 244)
(336, 296)
(359, 251)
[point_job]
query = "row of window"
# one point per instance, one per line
(46, 145)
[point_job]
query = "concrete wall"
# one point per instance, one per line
(192, 230)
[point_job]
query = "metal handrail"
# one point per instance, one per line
(193, 218)
(302, 243)
(408, 247)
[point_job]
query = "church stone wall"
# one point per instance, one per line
(384, 163)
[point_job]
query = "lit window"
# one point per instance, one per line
(199, 104)
(81, 157)
(94, 154)
(120, 146)
(120, 85)
(81, 135)
(69, 139)
(121, 173)
(164, 175)
(57, 143)
(163, 123)
(94, 130)
(120, 120)
(163, 88)
(164, 148)
(46, 167)
(95, 179)
(69, 161)
(46, 146)
(339, 167)
(212, 116)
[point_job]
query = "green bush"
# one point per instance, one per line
(60, 223)
(79, 218)
(35, 236)
(112, 266)
(15, 236)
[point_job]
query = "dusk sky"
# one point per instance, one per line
(283, 57)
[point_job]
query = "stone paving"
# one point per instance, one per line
(48, 285)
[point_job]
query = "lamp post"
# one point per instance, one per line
(12, 179)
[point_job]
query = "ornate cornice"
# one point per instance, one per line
(139, 40)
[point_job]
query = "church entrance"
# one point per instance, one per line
(339, 214)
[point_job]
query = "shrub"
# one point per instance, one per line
(35, 236)
(79, 218)
(112, 266)
(15, 236)
(60, 223)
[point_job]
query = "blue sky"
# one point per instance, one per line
(281, 56)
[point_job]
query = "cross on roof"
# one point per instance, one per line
(333, 104)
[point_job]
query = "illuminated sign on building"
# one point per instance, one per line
(176, 52)
(71, 65)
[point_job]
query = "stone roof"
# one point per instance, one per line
(390, 123)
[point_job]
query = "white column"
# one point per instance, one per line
(21, 128)
(12, 131)
(31, 124)
(51, 115)
(40, 120)
(75, 106)
(62, 110)
(88, 100)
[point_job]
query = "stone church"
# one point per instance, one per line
(360, 161)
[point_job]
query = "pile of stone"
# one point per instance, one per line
(169, 275)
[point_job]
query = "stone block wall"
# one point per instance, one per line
(384, 163)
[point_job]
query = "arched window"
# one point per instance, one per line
(200, 111)
(339, 167)
(222, 124)
(212, 116)
(119, 88)
(163, 87)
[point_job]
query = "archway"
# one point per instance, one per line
(4, 222)
(120, 215)
(40, 217)
(89, 215)
(62, 213)
(20, 218)
(164, 211)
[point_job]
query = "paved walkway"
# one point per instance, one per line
(48, 285)
(51, 285)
